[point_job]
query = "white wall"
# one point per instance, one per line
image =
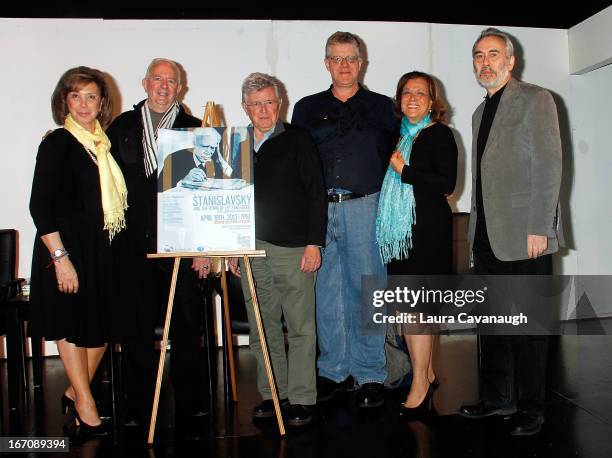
(590, 199)
(590, 43)
(217, 55)
(589, 161)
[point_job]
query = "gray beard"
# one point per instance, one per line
(495, 83)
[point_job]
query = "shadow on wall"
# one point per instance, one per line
(463, 155)
(114, 94)
(567, 178)
(519, 58)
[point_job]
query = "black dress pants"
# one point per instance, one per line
(513, 367)
(188, 354)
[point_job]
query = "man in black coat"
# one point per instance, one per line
(133, 137)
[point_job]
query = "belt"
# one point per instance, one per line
(342, 197)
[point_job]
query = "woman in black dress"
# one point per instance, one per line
(77, 204)
(414, 226)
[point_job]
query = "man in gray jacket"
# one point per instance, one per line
(514, 224)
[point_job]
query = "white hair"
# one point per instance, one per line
(159, 60)
(493, 32)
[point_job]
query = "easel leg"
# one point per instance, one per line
(228, 332)
(162, 356)
(264, 345)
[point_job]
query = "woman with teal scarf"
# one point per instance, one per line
(414, 223)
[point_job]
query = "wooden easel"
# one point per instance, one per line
(211, 116)
(222, 256)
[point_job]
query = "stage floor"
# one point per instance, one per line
(578, 418)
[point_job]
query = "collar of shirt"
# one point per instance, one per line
(278, 128)
(495, 97)
(356, 96)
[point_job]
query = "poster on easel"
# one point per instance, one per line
(205, 194)
(206, 208)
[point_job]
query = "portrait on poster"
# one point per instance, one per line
(205, 190)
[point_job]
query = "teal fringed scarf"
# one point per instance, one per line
(396, 207)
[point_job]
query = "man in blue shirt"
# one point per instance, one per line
(354, 130)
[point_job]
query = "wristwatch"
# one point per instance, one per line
(59, 254)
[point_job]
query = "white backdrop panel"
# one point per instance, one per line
(216, 56)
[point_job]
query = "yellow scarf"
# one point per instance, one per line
(112, 184)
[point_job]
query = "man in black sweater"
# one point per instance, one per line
(290, 225)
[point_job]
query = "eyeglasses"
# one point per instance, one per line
(261, 104)
(337, 60)
(415, 94)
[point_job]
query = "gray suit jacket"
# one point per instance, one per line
(520, 172)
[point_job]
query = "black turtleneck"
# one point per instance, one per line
(481, 240)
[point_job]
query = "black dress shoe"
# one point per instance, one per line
(299, 415)
(327, 389)
(266, 408)
(192, 408)
(370, 395)
(526, 425)
(482, 409)
(197, 408)
(134, 418)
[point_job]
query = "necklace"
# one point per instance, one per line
(91, 155)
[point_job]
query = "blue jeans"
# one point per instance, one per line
(350, 252)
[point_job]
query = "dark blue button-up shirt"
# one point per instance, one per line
(355, 138)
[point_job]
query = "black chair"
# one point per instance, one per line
(15, 311)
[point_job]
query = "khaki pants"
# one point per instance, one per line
(284, 290)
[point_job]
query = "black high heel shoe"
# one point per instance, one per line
(67, 404)
(423, 410)
(88, 430)
(434, 384)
